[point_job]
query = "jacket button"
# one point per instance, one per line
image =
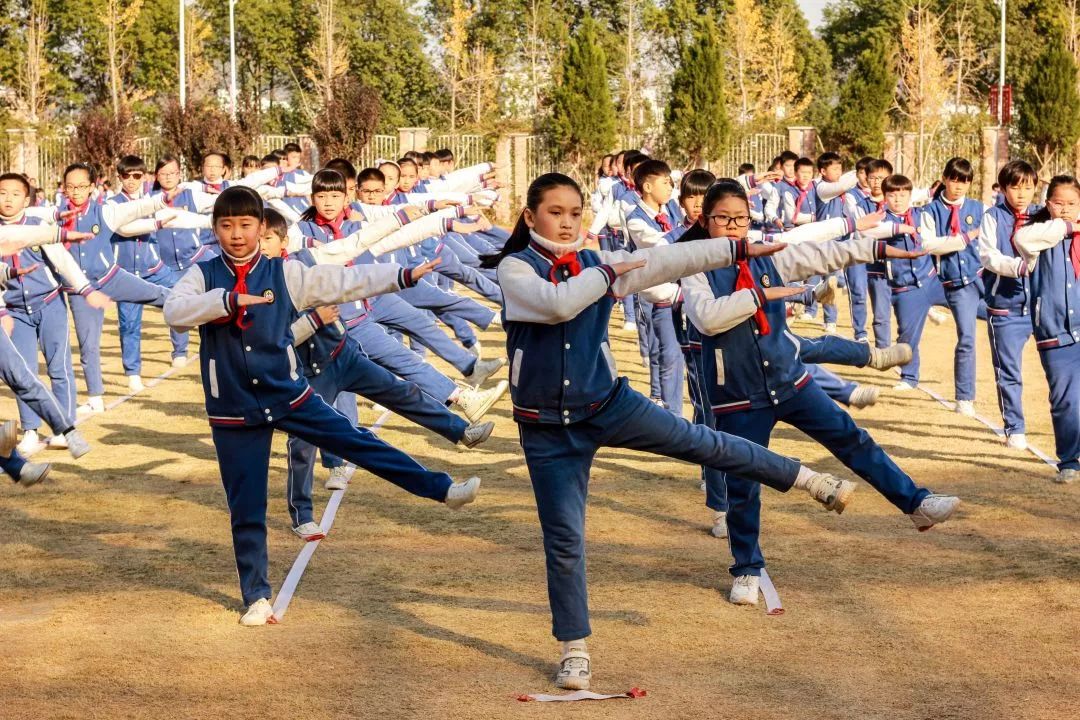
(268, 418)
(772, 392)
(566, 421)
(775, 402)
(565, 382)
(766, 363)
(254, 381)
(267, 411)
(247, 348)
(567, 346)
(565, 412)
(318, 371)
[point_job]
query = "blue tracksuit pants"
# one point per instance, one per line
(388, 352)
(129, 321)
(394, 313)
(1008, 335)
(911, 308)
(46, 329)
(881, 304)
(1061, 365)
(855, 275)
(559, 458)
(29, 389)
(965, 302)
(244, 458)
(12, 465)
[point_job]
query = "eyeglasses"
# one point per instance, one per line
(75, 188)
(740, 221)
(137, 175)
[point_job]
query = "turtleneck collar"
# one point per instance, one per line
(556, 249)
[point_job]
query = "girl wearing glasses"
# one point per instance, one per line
(754, 377)
(569, 401)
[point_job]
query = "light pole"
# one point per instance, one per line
(232, 58)
(183, 57)
(1001, 70)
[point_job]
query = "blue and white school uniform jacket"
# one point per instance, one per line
(31, 292)
(562, 370)
(957, 268)
(907, 273)
(1007, 273)
(95, 256)
(1054, 285)
(353, 313)
(138, 254)
(181, 248)
(745, 369)
(252, 375)
(643, 231)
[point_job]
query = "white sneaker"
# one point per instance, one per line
(1017, 441)
(135, 384)
(863, 396)
(934, 509)
(496, 321)
(29, 443)
(825, 291)
(58, 442)
(1066, 476)
(903, 386)
(476, 434)
(575, 671)
(807, 317)
(340, 477)
(462, 493)
(260, 612)
(885, 358)
(475, 350)
(483, 369)
(937, 316)
(180, 362)
(33, 473)
(965, 408)
(74, 442)
(833, 493)
(93, 405)
(744, 590)
(9, 438)
(476, 403)
(309, 531)
(830, 328)
(719, 525)
(629, 326)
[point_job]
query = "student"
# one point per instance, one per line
(292, 171)
(244, 306)
(756, 379)
(13, 464)
(877, 284)
(1008, 293)
(180, 248)
(830, 201)
(250, 164)
(1052, 244)
(569, 401)
(647, 226)
(855, 275)
(949, 230)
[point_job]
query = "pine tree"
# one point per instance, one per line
(697, 121)
(858, 126)
(1048, 117)
(583, 115)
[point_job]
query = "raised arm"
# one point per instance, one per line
(14, 238)
(259, 177)
(466, 179)
(993, 259)
(829, 190)
(190, 305)
(341, 252)
(714, 315)
(937, 244)
(310, 287)
(800, 262)
(668, 263)
(527, 297)
(815, 231)
(435, 225)
(117, 215)
(1033, 239)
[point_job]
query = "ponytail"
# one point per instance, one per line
(519, 237)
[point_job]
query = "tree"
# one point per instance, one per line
(858, 126)
(348, 121)
(1048, 117)
(697, 121)
(199, 127)
(583, 115)
(782, 95)
(118, 17)
(925, 85)
(745, 31)
(102, 137)
(31, 78)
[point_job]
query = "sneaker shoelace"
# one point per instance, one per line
(574, 665)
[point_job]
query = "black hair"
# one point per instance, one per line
(720, 190)
(776, 164)
(696, 182)
(879, 164)
(863, 163)
(238, 201)
(226, 161)
(600, 167)
(519, 237)
(343, 166)
(804, 162)
(392, 163)
(425, 158)
(19, 178)
(279, 154)
(292, 147)
(162, 161)
(267, 159)
(827, 159)
(1044, 213)
(896, 182)
(413, 155)
(787, 156)
(632, 159)
(251, 161)
(276, 223)
(444, 154)
(959, 169)
(746, 169)
(130, 163)
(88, 169)
(1015, 172)
(648, 169)
(406, 161)
(370, 174)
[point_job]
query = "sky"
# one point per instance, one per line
(812, 10)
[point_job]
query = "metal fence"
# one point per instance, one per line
(379, 147)
(758, 149)
(922, 158)
(467, 149)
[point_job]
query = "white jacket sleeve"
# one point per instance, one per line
(259, 177)
(940, 244)
(189, 305)
(714, 315)
(527, 297)
(304, 327)
(340, 252)
(1033, 239)
(66, 267)
(815, 231)
(312, 287)
(827, 190)
(44, 214)
(465, 179)
(993, 259)
(435, 225)
(800, 262)
(291, 216)
(14, 238)
(116, 215)
(771, 196)
(669, 263)
(644, 235)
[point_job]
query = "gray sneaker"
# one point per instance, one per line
(1066, 476)
(462, 493)
(33, 473)
(885, 358)
(476, 434)
(833, 493)
(76, 443)
(863, 396)
(934, 509)
(575, 671)
(483, 369)
(475, 403)
(9, 438)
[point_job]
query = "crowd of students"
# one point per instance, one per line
(303, 288)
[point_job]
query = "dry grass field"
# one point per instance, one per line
(118, 594)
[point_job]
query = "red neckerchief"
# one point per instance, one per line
(909, 220)
(803, 192)
(954, 218)
(1019, 220)
(334, 225)
(1074, 254)
(69, 224)
(218, 186)
(569, 261)
(745, 281)
(241, 289)
(663, 221)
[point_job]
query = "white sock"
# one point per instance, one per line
(574, 645)
(454, 396)
(803, 480)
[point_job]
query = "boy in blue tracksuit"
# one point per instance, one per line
(1009, 304)
(1052, 243)
(755, 377)
(244, 306)
(830, 201)
(855, 275)
(569, 400)
(950, 229)
(877, 284)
